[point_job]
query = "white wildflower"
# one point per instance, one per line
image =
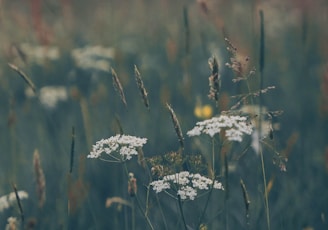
(186, 184)
(160, 185)
(39, 54)
(125, 145)
(51, 95)
(218, 185)
(93, 57)
(235, 127)
(8, 200)
(187, 192)
(12, 223)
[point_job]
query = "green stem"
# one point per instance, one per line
(261, 65)
(181, 212)
(138, 201)
(213, 159)
(205, 207)
(142, 211)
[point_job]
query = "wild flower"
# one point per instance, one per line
(8, 200)
(235, 127)
(12, 223)
(125, 145)
(93, 57)
(187, 184)
(50, 95)
(39, 54)
(203, 111)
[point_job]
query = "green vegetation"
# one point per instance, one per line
(213, 114)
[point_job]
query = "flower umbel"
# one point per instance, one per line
(187, 184)
(8, 200)
(235, 127)
(125, 145)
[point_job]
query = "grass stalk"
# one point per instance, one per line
(144, 213)
(182, 213)
(261, 65)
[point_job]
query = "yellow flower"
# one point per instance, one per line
(207, 111)
(203, 112)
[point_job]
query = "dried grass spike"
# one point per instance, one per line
(118, 200)
(23, 75)
(132, 185)
(176, 125)
(40, 179)
(118, 86)
(141, 87)
(214, 79)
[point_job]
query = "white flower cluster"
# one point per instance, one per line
(39, 54)
(12, 223)
(93, 57)
(125, 145)
(8, 200)
(187, 184)
(51, 95)
(235, 127)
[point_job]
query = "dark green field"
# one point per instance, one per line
(68, 80)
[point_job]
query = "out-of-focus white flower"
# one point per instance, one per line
(12, 223)
(125, 145)
(39, 54)
(235, 127)
(8, 200)
(187, 184)
(93, 57)
(51, 95)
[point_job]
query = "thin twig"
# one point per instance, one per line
(19, 203)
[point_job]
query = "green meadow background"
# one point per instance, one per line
(170, 42)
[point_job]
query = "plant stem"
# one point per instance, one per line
(142, 211)
(138, 201)
(205, 207)
(181, 212)
(261, 64)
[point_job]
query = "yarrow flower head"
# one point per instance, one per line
(125, 145)
(235, 127)
(187, 184)
(8, 200)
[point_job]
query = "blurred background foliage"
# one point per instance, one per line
(170, 42)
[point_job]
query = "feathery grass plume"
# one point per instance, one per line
(246, 199)
(242, 98)
(19, 203)
(141, 158)
(141, 87)
(176, 125)
(72, 150)
(40, 179)
(23, 75)
(214, 79)
(118, 86)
